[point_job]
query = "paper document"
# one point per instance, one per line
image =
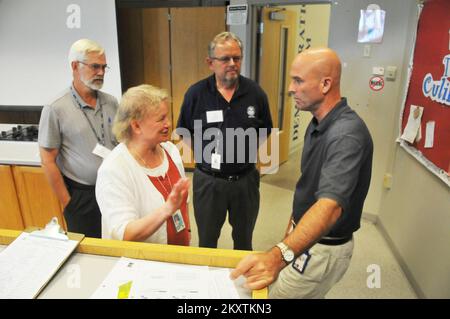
(371, 26)
(160, 280)
(237, 14)
(429, 135)
(29, 262)
(412, 130)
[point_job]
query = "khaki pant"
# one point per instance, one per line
(325, 267)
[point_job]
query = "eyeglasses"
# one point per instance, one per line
(227, 59)
(96, 67)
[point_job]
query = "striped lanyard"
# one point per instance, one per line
(102, 140)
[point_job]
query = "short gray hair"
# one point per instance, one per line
(83, 47)
(136, 103)
(221, 38)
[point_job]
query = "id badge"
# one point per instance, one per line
(301, 262)
(101, 150)
(214, 116)
(178, 221)
(215, 161)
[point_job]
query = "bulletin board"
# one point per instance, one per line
(429, 87)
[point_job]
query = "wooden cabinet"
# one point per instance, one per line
(10, 216)
(38, 203)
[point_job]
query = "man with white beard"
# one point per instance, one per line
(75, 135)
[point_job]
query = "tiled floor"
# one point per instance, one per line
(371, 254)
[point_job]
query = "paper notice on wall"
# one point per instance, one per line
(429, 134)
(412, 130)
(371, 26)
(237, 14)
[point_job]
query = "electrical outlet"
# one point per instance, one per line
(391, 73)
(387, 181)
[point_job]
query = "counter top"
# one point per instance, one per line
(18, 152)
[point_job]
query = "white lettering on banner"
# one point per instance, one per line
(438, 91)
(74, 19)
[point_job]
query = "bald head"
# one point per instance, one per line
(323, 62)
(315, 84)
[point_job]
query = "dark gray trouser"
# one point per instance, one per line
(82, 213)
(214, 196)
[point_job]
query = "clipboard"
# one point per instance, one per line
(54, 231)
(29, 263)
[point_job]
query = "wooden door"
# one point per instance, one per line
(168, 48)
(129, 31)
(10, 216)
(37, 201)
(277, 53)
(191, 31)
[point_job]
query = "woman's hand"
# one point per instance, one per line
(176, 196)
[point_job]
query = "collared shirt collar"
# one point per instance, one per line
(213, 87)
(83, 102)
(330, 117)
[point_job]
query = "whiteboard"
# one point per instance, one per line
(35, 38)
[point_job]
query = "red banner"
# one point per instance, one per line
(430, 81)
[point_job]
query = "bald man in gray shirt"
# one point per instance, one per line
(75, 135)
(336, 170)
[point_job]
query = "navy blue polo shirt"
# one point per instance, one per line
(337, 164)
(238, 133)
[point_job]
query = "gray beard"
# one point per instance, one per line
(93, 86)
(230, 82)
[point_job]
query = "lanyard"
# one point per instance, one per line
(102, 140)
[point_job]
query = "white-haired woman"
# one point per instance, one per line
(141, 186)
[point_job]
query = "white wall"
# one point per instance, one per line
(380, 110)
(35, 41)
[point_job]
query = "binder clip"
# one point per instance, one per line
(52, 230)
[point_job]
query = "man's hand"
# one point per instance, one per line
(53, 174)
(260, 269)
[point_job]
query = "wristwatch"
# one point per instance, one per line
(286, 253)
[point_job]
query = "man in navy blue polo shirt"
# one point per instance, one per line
(227, 115)
(336, 169)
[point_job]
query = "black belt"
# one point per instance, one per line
(228, 177)
(73, 184)
(335, 241)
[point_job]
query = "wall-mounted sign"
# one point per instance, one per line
(237, 14)
(376, 83)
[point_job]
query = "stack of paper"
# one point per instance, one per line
(142, 279)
